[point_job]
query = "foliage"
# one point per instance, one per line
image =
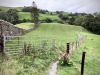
(11, 16)
(66, 61)
(34, 15)
(26, 9)
(48, 20)
(79, 20)
(71, 20)
(0, 9)
(61, 22)
(91, 23)
(43, 11)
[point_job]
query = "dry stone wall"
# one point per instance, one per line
(8, 29)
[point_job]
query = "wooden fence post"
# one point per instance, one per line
(68, 46)
(82, 63)
(1, 41)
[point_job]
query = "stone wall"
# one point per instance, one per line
(8, 29)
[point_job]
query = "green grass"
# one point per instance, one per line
(26, 15)
(25, 25)
(44, 16)
(92, 48)
(56, 30)
(60, 32)
(7, 8)
(41, 64)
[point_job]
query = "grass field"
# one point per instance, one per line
(41, 64)
(26, 15)
(25, 25)
(56, 30)
(92, 48)
(7, 8)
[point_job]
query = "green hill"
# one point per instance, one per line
(25, 25)
(54, 29)
(26, 15)
(92, 59)
(66, 33)
(7, 8)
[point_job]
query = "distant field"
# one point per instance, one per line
(65, 13)
(26, 15)
(25, 25)
(44, 16)
(7, 8)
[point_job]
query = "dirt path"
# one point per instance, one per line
(53, 69)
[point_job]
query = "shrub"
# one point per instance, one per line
(48, 20)
(61, 22)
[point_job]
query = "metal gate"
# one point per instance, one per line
(15, 44)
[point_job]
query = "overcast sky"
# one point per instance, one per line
(87, 6)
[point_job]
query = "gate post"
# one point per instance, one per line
(1, 41)
(67, 51)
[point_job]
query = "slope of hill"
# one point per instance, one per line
(7, 8)
(42, 61)
(92, 59)
(26, 15)
(25, 25)
(56, 30)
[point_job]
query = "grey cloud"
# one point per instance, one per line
(88, 6)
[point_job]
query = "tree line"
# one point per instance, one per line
(89, 21)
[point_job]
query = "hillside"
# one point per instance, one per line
(62, 33)
(25, 25)
(39, 44)
(26, 15)
(56, 30)
(92, 48)
(7, 8)
(44, 56)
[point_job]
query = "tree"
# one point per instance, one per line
(48, 20)
(0, 9)
(34, 13)
(79, 20)
(26, 9)
(91, 23)
(13, 15)
(71, 20)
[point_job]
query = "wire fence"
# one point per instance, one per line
(15, 44)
